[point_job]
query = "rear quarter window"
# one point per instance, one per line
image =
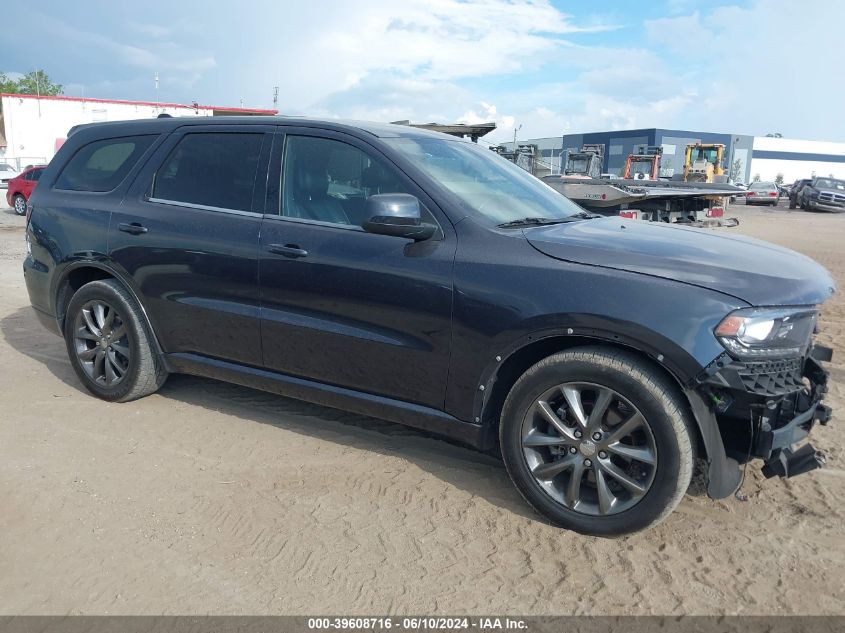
(102, 165)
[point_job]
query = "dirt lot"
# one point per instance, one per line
(210, 498)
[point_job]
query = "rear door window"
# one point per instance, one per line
(102, 165)
(210, 169)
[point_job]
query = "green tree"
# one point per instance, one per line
(7, 85)
(779, 179)
(756, 177)
(35, 82)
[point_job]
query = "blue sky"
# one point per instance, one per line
(747, 66)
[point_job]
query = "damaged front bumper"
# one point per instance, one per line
(765, 409)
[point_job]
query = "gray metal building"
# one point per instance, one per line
(619, 144)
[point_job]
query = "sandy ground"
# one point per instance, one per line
(210, 498)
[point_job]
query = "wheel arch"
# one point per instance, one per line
(519, 359)
(79, 273)
(723, 474)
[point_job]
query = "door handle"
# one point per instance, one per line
(288, 250)
(134, 228)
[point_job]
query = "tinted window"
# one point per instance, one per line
(102, 165)
(329, 181)
(35, 174)
(211, 169)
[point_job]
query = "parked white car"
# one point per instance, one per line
(7, 172)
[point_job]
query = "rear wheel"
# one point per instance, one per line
(109, 344)
(19, 204)
(598, 441)
(792, 204)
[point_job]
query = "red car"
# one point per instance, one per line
(21, 188)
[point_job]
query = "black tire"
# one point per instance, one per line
(132, 355)
(792, 205)
(652, 394)
(19, 204)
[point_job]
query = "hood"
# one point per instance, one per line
(757, 272)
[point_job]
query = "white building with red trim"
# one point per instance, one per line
(32, 128)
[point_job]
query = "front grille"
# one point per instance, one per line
(832, 198)
(773, 377)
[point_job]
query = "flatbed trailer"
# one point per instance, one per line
(654, 200)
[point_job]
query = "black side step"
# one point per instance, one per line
(790, 463)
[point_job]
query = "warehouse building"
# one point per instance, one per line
(746, 157)
(32, 128)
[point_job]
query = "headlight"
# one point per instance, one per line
(760, 333)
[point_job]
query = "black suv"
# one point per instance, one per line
(795, 192)
(824, 194)
(422, 279)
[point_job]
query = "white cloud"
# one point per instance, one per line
(767, 67)
(333, 47)
(516, 62)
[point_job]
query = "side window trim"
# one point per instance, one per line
(202, 207)
(329, 225)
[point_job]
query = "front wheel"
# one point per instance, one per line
(598, 441)
(19, 204)
(109, 344)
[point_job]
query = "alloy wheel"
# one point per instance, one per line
(20, 205)
(101, 343)
(589, 448)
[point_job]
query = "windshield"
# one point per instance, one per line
(710, 155)
(576, 165)
(830, 183)
(641, 167)
(766, 186)
(483, 182)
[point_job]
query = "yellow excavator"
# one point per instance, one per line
(703, 162)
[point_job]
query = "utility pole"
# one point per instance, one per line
(38, 92)
(157, 101)
(275, 97)
(515, 130)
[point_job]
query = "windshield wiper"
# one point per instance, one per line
(581, 215)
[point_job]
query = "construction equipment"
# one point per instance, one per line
(529, 157)
(644, 198)
(699, 203)
(586, 163)
(644, 165)
(703, 163)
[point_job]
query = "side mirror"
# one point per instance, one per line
(397, 214)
